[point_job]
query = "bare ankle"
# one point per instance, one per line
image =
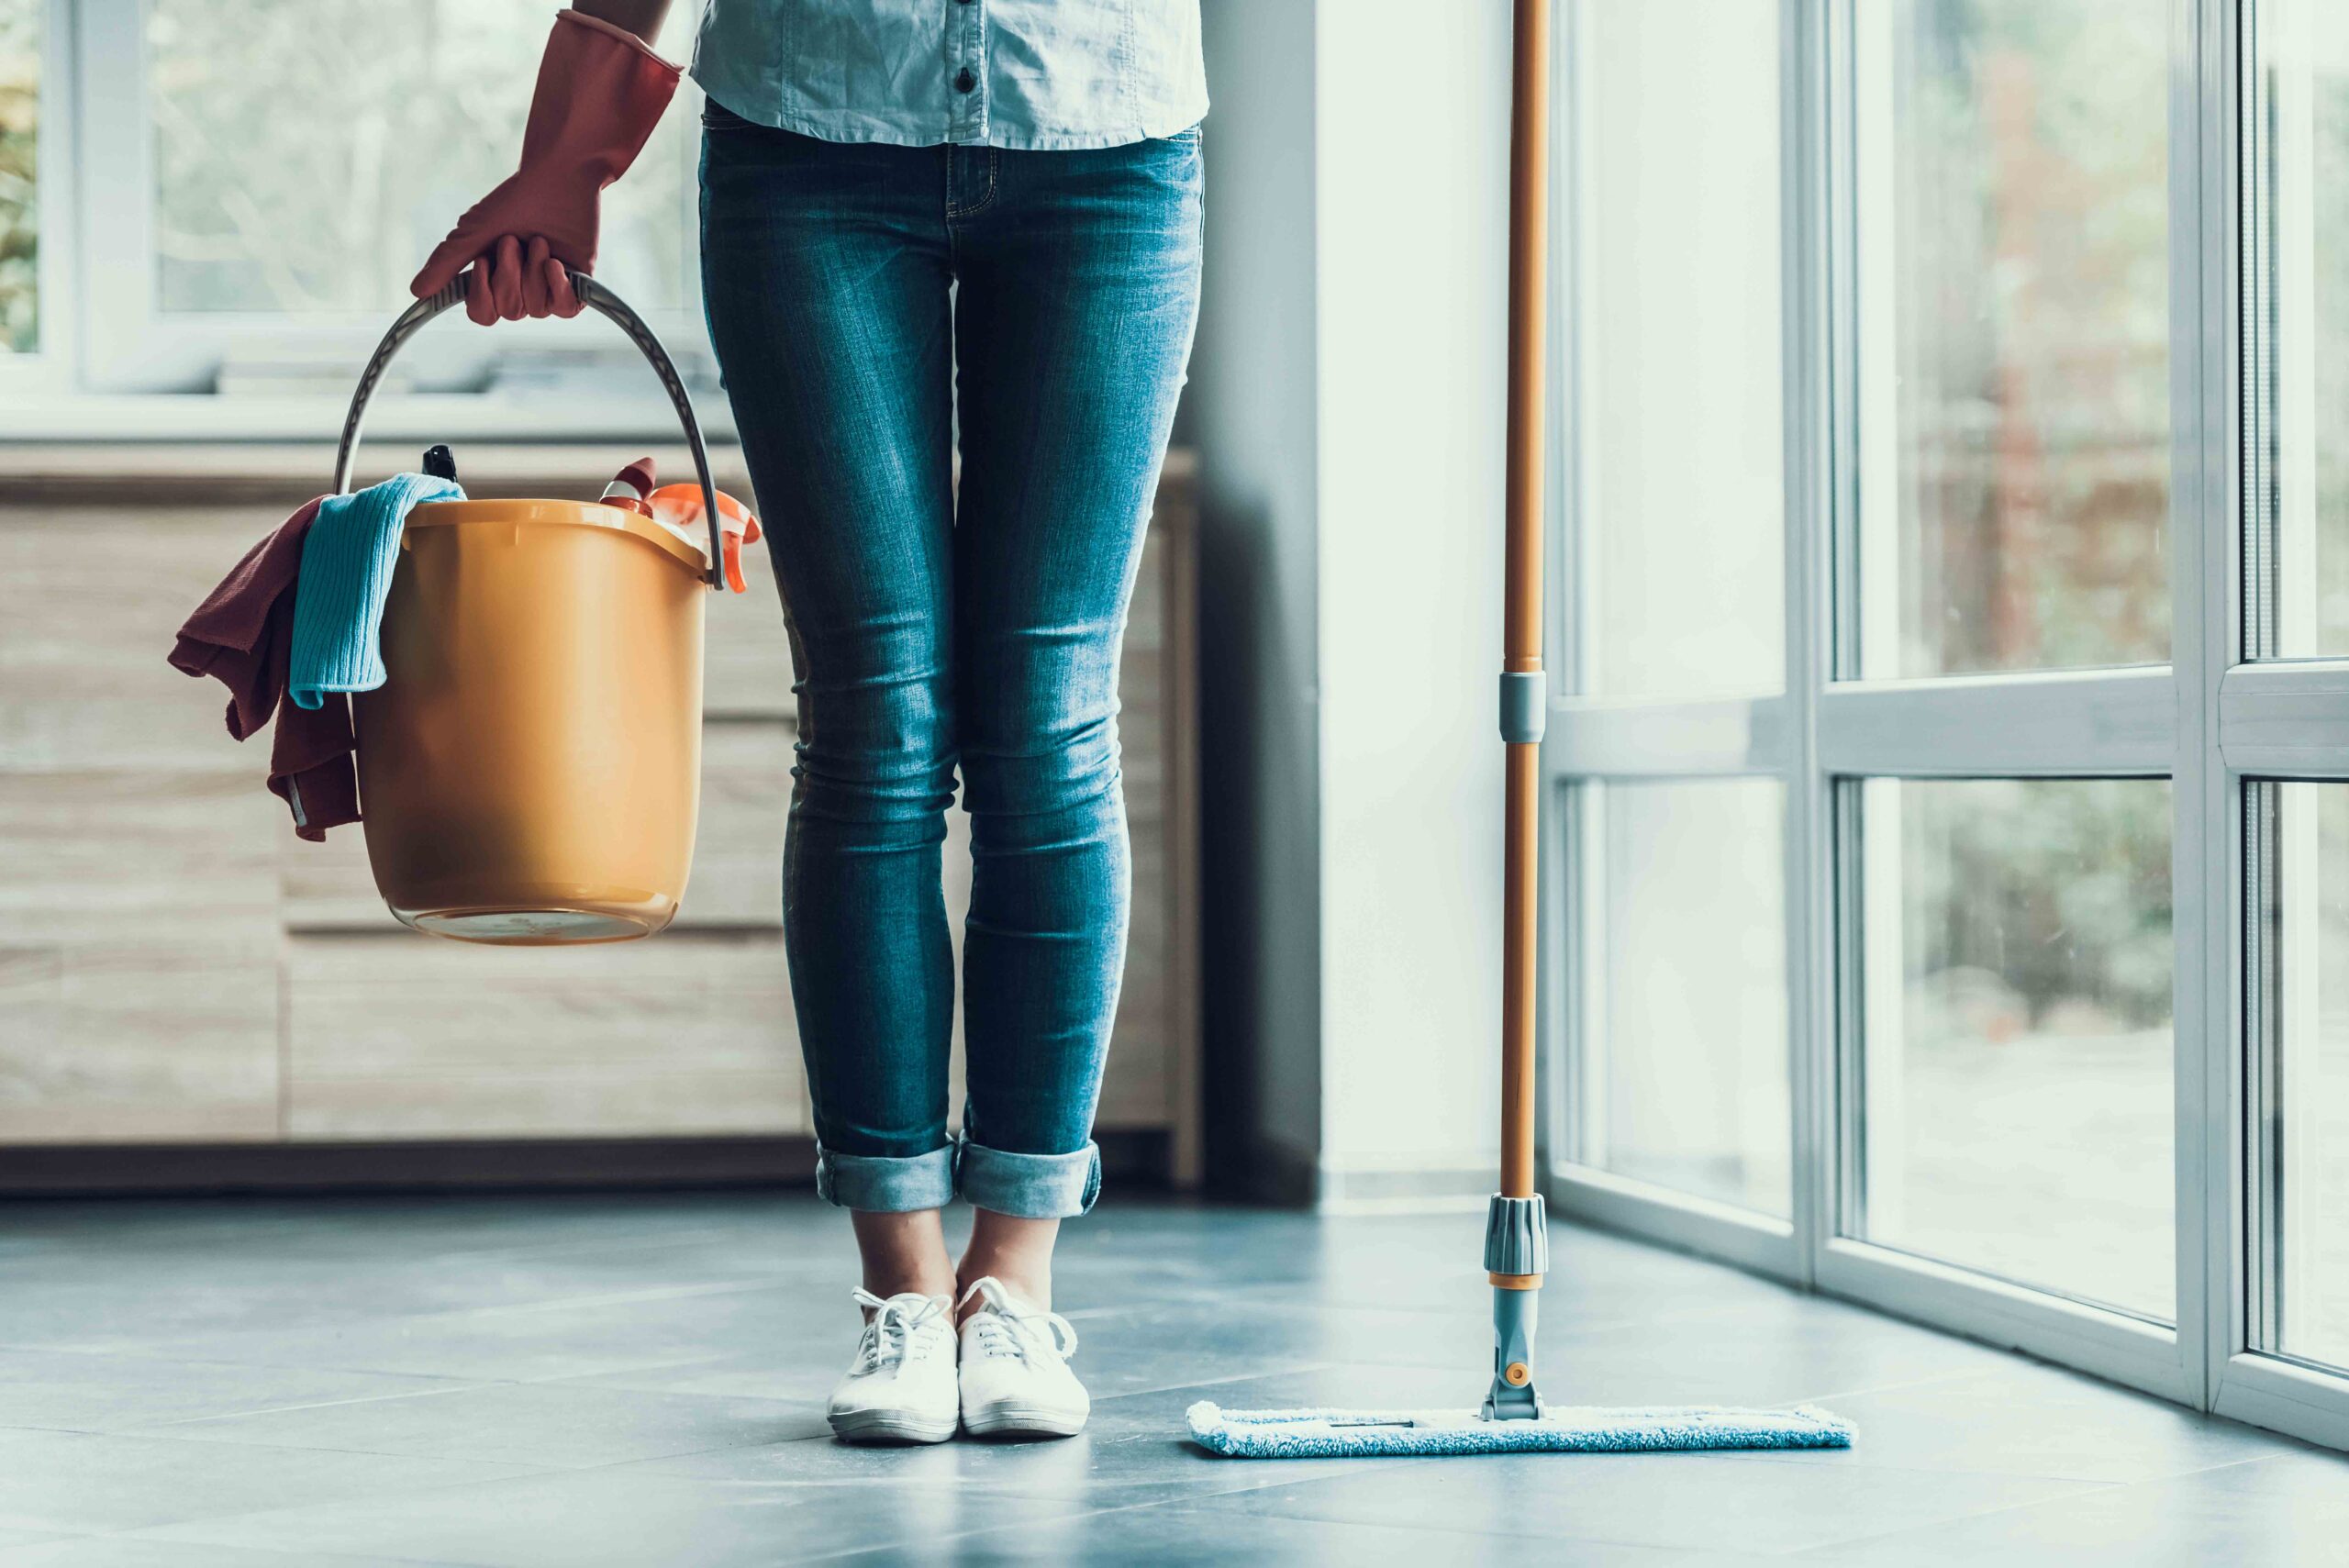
(917, 1282)
(1032, 1285)
(902, 1254)
(1015, 1251)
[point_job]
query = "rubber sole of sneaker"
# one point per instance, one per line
(890, 1426)
(1007, 1419)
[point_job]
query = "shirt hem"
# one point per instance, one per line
(863, 130)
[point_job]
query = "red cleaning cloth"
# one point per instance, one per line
(243, 633)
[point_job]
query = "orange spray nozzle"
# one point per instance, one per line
(679, 506)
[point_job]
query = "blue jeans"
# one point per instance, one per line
(863, 301)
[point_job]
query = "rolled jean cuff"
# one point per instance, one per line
(1029, 1186)
(886, 1183)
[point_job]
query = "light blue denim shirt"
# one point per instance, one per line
(1010, 73)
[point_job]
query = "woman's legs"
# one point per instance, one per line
(827, 277)
(1078, 277)
(921, 626)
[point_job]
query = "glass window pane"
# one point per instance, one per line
(1681, 453)
(2304, 75)
(20, 45)
(2016, 1063)
(2013, 218)
(1685, 1060)
(314, 196)
(2307, 1100)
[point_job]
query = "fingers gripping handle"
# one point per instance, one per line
(596, 298)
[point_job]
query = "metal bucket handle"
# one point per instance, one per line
(596, 298)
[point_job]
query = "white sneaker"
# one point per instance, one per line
(901, 1388)
(1015, 1368)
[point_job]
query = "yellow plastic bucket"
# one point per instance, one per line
(529, 771)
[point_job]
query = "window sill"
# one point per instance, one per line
(455, 418)
(176, 475)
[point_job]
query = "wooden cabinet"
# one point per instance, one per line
(176, 967)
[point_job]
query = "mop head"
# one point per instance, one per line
(1354, 1434)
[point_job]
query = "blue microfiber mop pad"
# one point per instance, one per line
(1357, 1434)
(347, 564)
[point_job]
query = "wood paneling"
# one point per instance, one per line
(137, 857)
(148, 1044)
(176, 967)
(90, 601)
(401, 1036)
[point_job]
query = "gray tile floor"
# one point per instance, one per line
(614, 1380)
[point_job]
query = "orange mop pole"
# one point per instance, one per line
(1516, 1238)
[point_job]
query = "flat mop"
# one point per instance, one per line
(1514, 1419)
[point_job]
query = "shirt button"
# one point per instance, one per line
(965, 81)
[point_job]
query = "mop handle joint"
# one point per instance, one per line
(1525, 703)
(1517, 1238)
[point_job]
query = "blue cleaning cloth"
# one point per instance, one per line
(1357, 1434)
(347, 564)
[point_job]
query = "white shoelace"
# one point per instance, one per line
(893, 1333)
(1000, 1329)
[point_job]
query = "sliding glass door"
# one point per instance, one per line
(1951, 906)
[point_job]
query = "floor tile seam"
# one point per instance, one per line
(33, 1524)
(216, 1445)
(163, 1428)
(1219, 1381)
(2077, 1494)
(2277, 1456)
(556, 1249)
(159, 1534)
(1077, 1513)
(1493, 1534)
(1183, 1504)
(160, 1348)
(1284, 1369)
(163, 1529)
(604, 1299)
(526, 1467)
(1791, 1456)
(1207, 1490)
(631, 1368)
(1811, 1459)
(2094, 1387)
(649, 1461)
(55, 1537)
(89, 1354)
(1867, 1390)
(585, 1381)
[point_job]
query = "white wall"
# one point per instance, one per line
(1412, 205)
(1347, 400)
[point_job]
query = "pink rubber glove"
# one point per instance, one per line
(600, 93)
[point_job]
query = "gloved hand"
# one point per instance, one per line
(600, 93)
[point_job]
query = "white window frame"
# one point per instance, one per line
(45, 369)
(111, 362)
(2209, 721)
